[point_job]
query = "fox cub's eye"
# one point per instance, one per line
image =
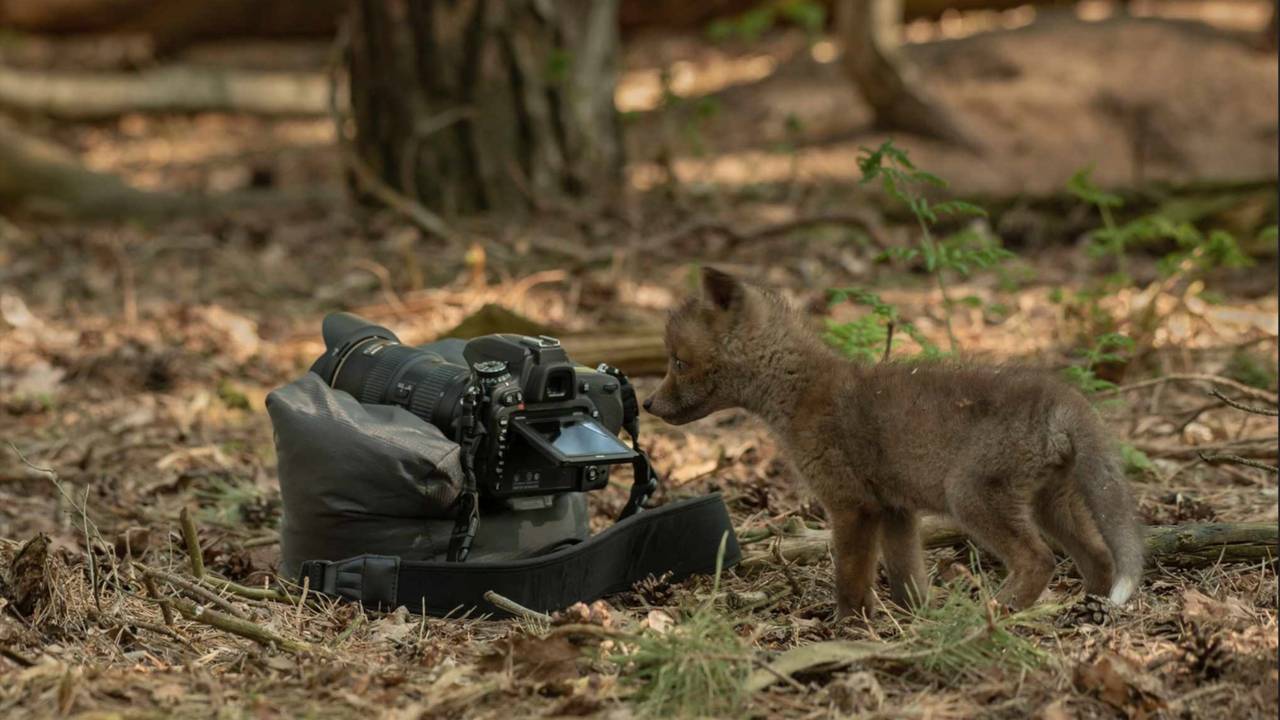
(678, 363)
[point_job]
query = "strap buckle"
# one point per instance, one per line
(372, 580)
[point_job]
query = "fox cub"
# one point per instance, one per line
(1009, 453)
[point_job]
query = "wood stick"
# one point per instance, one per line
(239, 626)
(193, 543)
(1240, 387)
(1259, 447)
(192, 588)
(1271, 412)
(165, 610)
(506, 604)
(244, 591)
(1191, 545)
(1229, 458)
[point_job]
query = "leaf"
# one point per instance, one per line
(959, 208)
(1081, 185)
(1120, 684)
(553, 659)
(827, 655)
(1135, 460)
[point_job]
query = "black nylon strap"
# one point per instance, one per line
(682, 538)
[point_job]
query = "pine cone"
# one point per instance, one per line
(1204, 653)
(260, 512)
(1089, 610)
(655, 590)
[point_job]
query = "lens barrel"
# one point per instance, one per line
(378, 371)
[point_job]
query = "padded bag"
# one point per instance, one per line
(377, 479)
(369, 494)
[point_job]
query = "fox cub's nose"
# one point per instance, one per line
(648, 403)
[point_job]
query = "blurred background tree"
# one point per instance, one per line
(486, 104)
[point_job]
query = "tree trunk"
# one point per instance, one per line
(868, 30)
(476, 105)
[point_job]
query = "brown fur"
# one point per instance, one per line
(1009, 453)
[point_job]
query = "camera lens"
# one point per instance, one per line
(380, 371)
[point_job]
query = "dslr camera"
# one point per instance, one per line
(529, 421)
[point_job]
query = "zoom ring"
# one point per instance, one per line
(374, 391)
(430, 391)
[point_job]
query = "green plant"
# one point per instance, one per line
(866, 338)
(1108, 348)
(961, 253)
(1189, 253)
(1255, 369)
(965, 637)
(1135, 461)
(229, 503)
(695, 668)
(750, 26)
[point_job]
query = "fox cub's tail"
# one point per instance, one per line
(1106, 493)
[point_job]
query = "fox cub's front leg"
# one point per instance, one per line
(855, 547)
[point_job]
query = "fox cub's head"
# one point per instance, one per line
(706, 338)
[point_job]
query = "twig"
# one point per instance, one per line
(1227, 458)
(1252, 392)
(16, 657)
(787, 571)
(124, 623)
(1241, 406)
(244, 591)
(764, 665)
(238, 626)
(888, 341)
(165, 610)
(508, 605)
(193, 543)
(192, 588)
(1257, 447)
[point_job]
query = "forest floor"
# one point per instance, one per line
(136, 360)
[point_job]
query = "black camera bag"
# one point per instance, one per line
(369, 494)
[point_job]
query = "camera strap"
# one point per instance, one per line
(681, 538)
(468, 517)
(646, 480)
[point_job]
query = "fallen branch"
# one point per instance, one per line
(1262, 447)
(1241, 406)
(243, 628)
(193, 588)
(1192, 545)
(192, 539)
(98, 96)
(41, 178)
(165, 611)
(508, 605)
(1240, 387)
(1237, 460)
(741, 236)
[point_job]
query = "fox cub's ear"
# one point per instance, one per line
(722, 290)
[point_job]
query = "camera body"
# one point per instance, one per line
(540, 424)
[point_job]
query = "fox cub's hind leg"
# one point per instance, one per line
(996, 513)
(855, 536)
(904, 558)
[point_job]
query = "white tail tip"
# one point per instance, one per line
(1122, 590)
